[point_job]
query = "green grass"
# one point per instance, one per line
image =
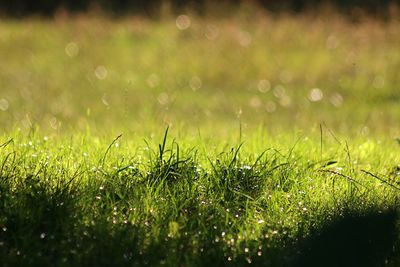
(249, 67)
(282, 130)
(127, 202)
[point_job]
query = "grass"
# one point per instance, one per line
(281, 136)
(131, 202)
(130, 72)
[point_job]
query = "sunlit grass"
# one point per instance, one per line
(161, 201)
(281, 72)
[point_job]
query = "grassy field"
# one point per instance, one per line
(192, 141)
(280, 73)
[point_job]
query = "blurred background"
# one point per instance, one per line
(211, 66)
(154, 7)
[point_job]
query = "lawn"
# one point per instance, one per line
(249, 138)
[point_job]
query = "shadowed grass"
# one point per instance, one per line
(176, 206)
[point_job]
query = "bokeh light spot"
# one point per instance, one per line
(163, 98)
(270, 106)
(195, 83)
(244, 38)
(212, 32)
(104, 100)
(54, 123)
(332, 42)
(379, 82)
(183, 22)
(4, 105)
(336, 99)
(101, 72)
(153, 80)
(72, 49)
(264, 86)
(279, 91)
(285, 76)
(315, 95)
(255, 102)
(285, 101)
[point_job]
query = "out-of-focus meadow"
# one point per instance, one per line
(248, 69)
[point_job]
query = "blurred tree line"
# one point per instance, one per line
(151, 7)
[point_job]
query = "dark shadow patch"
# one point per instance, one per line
(355, 239)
